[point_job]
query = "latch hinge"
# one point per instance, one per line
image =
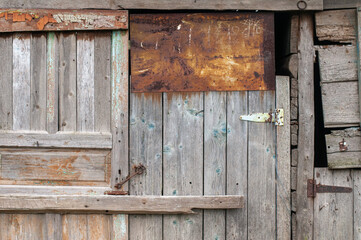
(276, 116)
(313, 188)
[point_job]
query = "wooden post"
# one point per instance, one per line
(359, 57)
(306, 127)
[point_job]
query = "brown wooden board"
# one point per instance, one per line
(21, 20)
(202, 52)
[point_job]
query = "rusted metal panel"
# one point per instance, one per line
(202, 52)
(21, 20)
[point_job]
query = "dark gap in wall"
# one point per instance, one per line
(282, 33)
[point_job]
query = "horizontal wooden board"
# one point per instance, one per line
(28, 166)
(117, 204)
(271, 5)
(202, 52)
(52, 190)
(338, 4)
(337, 25)
(22, 20)
(58, 140)
(340, 102)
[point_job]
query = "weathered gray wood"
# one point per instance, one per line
(261, 169)
(274, 5)
(333, 211)
(99, 226)
(52, 190)
(60, 140)
(338, 4)
(336, 25)
(120, 227)
(306, 127)
(146, 148)
(67, 81)
(85, 82)
(21, 81)
(116, 204)
(340, 104)
(38, 82)
(356, 177)
(359, 59)
(6, 82)
(74, 226)
(53, 226)
(102, 46)
(283, 166)
(183, 159)
(237, 162)
(215, 140)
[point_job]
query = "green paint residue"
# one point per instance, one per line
(120, 227)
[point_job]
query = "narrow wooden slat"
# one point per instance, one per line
(237, 163)
(261, 170)
(99, 226)
(120, 227)
(183, 159)
(337, 4)
(356, 177)
(6, 82)
(74, 226)
(38, 82)
(283, 167)
(67, 81)
(21, 81)
(359, 59)
(215, 140)
(85, 82)
(333, 211)
(146, 148)
(53, 190)
(53, 226)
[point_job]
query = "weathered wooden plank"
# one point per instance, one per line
(21, 81)
(23, 20)
(67, 81)
(183, 159)
(6, 82)
(215, 140)
(99, 226)
(273, 5)
(52, 83)
(60, 140)
(85, 82)
(120, 227)
(340, 104)
(359, 58)
(333, 211)
(53, 190)
(38, 82)
(337, 63)
(74, 226)
(283, 165)
(336, 25)
(146, 148)
(23, 226)
(237, 163)
(261, 169)
(53, 226)
(338, 4)
(102, 55)
(306, 141)
(356, 176)
(116, 204)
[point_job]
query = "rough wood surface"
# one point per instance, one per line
(359, 58)
(23, 20)
(356, 176)
(52, 190)
(116, 204)
(305, 165)
(336, 25)
(6, 82)
(338, 4)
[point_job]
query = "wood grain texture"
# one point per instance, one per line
(333, 211)
(356, 176)
(21, 81)
(6, 82)
(237, 163)
(337, 4)
(52, 190)
(359, 58)
(305, 165)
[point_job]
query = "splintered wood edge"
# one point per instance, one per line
(117, 204)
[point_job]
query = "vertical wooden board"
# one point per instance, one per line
(53, 225)
(146, 148)
(99, 226)
(74, 227)
(21, 81)
(283, 167)
(261, 169)
(6, 82)
(359, 58)
(85, 82)
(67, 81)
(23, 226)
(119, 227)
(102, 46)
(5, 224)
(38, 82)
(183, 159)
(52, 82)
(215, 140)
(356, 176)
(333, 212)
(237, 165)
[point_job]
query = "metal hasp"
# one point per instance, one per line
(276, 116)
(313, 189)
(138, 170)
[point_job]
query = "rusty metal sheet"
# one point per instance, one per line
(202, 52)
(22, 20)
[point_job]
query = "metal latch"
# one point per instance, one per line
(276, 116)
(313, 188)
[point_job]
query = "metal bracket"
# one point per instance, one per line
(277, 117)
(313, 189)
